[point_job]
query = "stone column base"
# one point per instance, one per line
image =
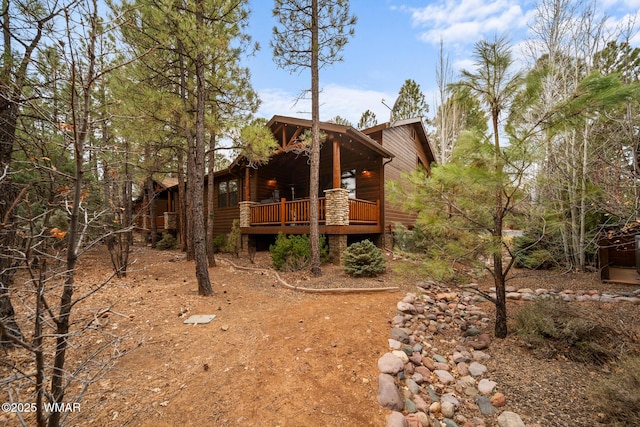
(337, 245)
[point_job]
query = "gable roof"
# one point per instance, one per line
(353, 134)
(418, 126)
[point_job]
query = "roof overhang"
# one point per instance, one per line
(328, 127)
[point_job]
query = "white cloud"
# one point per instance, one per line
(463, 22)
(335, 100)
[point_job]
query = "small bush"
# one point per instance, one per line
(363, 259)
(218, 243)
(292, 253)
(232, 245)
(167, 242)
(618, 396)
(535, 252)
(412, 241)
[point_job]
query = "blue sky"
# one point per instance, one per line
(394, 40)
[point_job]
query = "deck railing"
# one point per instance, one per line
(363, 211)
(297, 212)
(293, 212)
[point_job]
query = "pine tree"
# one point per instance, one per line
(367, 120)
(311, 36)
(410, 102)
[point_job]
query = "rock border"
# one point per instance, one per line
(425, 386)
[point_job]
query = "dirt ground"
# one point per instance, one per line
(274, 356)
(271, 357)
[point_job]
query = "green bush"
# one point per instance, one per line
(363, 259)
(218, 243)
(536, 251)
(167, 242)
(618, 397)
(232, 245)
(292, 253)
(412, 241)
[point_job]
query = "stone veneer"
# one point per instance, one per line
(245, 213)
(337, 206)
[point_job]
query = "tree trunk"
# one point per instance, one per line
(314, 175)
(210, 202)
(498, 274)
(199, 230)
(8, 195)
(153, 225)
(182, 205)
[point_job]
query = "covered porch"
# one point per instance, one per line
(351, 183)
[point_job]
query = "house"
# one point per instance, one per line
(166, 206)
(354, 165)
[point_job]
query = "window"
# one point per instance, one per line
(222, 195)
(348, 181)
(228, 193)
(233, 193)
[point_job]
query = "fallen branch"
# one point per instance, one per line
(313, 290)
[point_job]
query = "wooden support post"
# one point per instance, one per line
(283, 215)
(247, 185)
(336, 164)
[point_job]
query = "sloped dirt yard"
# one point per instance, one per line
(274, 356)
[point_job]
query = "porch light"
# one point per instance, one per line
(366, 173)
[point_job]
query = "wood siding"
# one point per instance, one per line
(402, 142)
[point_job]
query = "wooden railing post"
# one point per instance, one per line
(283, 215)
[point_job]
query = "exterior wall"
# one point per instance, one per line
(223, 217)
(401, 142)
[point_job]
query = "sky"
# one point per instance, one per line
(394, 40)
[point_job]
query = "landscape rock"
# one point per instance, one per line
(485, 406)
(480, 342)
(476, 369)
(498, 400)
(486, 386)
(396, 419)
(413, 420)
(510, 419)
(390, 364)
(400, 334)
(444, 376)
(388, 394)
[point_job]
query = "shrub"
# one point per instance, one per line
(363, 259)
(618, 397)
(412, 241)
(232, 245)
(550, 327)
(292, 253)
(218, 243)
(536, 251)
(167, 242)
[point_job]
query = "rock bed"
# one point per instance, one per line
(428, 379)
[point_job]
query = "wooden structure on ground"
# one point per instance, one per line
(619, 254)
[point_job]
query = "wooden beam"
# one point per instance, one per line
(336, 164)
(247, 184)
(294, 137)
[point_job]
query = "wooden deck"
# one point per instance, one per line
(293, 217)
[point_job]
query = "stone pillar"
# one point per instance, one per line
(244, 244)
(337, 206)
(337, 245)
(245, 213)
